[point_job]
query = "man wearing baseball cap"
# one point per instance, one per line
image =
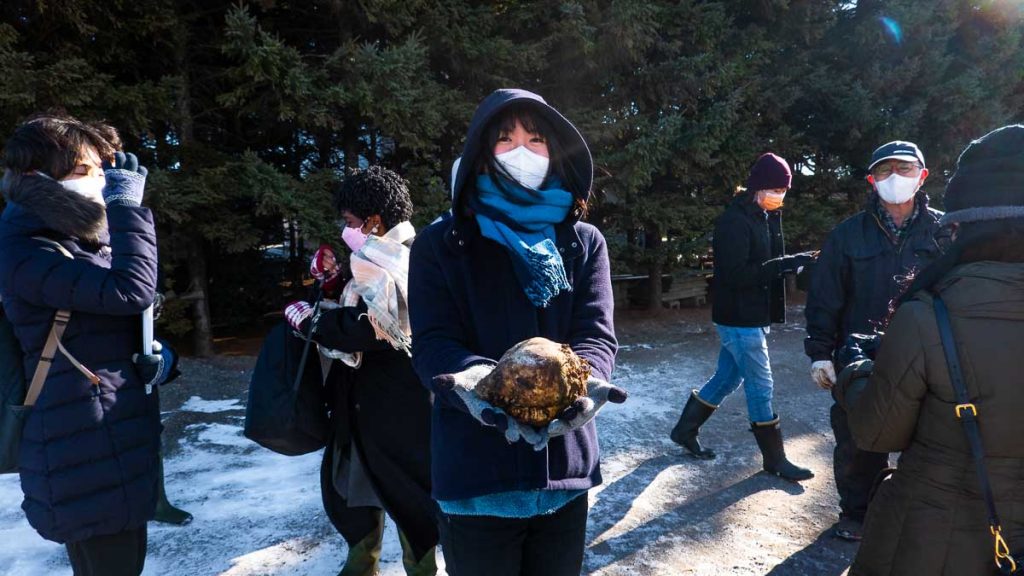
(858, 273)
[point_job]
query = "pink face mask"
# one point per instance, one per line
(354, 238)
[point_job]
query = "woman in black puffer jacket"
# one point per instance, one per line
(88, 457)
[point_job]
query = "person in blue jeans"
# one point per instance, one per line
(749, 295)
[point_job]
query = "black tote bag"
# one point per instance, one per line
(287, 413)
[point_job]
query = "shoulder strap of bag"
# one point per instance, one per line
(967, 413)
(60, 323)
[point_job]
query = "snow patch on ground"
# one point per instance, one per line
(197, 404)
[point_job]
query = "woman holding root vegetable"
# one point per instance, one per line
(515, 275)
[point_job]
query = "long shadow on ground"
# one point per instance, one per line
(826, 556)
(682, 520)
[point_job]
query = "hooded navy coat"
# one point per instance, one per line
(467, 307)
(88, 457)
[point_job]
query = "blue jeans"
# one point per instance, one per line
(742, 358)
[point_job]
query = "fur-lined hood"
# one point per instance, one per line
(54, 208)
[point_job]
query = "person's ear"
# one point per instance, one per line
(375, 224)
(924, 175)
(871, 179)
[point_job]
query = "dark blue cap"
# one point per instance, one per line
(897, 150)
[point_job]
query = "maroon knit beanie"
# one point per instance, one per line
(769, 172)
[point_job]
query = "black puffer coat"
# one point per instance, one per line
(747, 293)
(89, 452)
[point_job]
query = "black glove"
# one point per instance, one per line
(791, 264)
(157, 368)
(859, 347)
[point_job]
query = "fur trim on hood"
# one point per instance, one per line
(60, 210)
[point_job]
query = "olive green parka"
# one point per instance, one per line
(929, 518)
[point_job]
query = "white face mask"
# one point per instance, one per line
(90, 187)
(528, 168)
(897, 189)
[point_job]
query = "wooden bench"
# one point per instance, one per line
(675, 290)
(686, 288)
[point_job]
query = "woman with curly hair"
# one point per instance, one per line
(379, 456)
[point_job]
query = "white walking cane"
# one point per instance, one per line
(147, 337)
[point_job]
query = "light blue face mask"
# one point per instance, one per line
(90, 187)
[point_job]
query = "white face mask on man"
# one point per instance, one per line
(897, 189)
(526, 167)
(90, 187)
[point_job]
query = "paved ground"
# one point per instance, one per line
(658, 512)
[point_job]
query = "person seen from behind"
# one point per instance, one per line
(931, 517)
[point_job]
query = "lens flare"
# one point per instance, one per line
(893, 28)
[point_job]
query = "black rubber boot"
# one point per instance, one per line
(769, 440)
(364, 557)
(165, 511)
(686, 430)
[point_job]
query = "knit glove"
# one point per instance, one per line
(126, 180)
(158, 368)
(823, 372)
(324, 267)
(457, 390)
(575, 416)
(297, 313)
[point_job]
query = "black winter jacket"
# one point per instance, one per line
(384, 412)
(88, 456)
(858, 273)
(747, 292)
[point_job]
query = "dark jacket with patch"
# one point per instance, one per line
(858, 273)
(467, 307)
(88, 457)
(929, 518)
(748, 292)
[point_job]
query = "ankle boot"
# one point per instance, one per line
(769, 440)
(165, 511)
(686, 430)
(425, 566)
(363, 557)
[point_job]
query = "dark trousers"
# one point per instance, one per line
(855, 469)
(121, 554)
(551, 545)
(353, 523)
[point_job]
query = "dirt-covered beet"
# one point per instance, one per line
(535, 380)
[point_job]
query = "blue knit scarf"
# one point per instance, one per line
(523, 221)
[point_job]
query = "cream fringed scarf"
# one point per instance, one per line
(380, 277)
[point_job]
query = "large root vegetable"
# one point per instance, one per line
(535, 380)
